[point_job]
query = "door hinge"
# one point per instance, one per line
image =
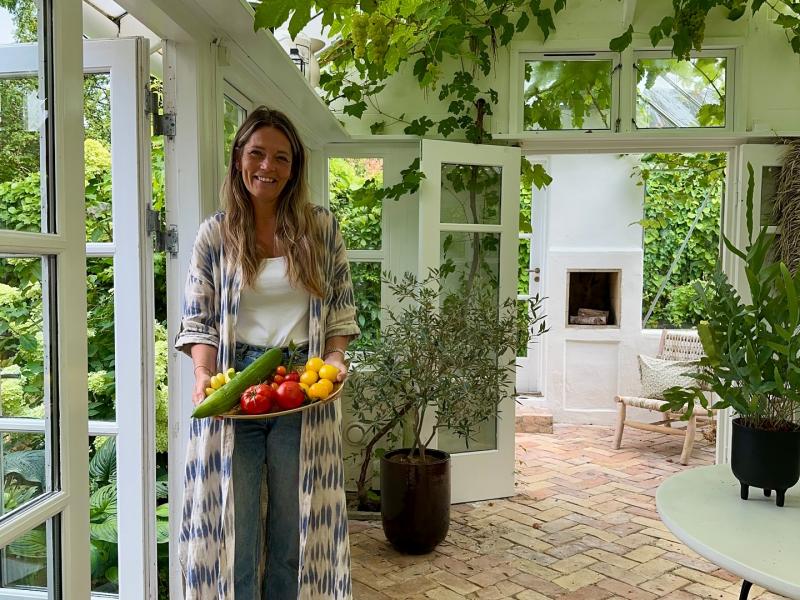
(164, 238)
(163, 122)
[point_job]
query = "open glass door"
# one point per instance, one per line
(475, 228)
(767, 162)
(44, 525)
(113, 265)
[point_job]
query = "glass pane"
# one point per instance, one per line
(680, 93)
(471, 259)
(103, 524)
(24, 468)
(22, 121)
(471, 194)
(523, 260)
(233, 116)
(522, 344)
(367, 286)
(20, 179)
(770, 176)
(567, 94)
(18, 22)
(21, 337)
(97, 156)
(351, 182)
(100, 336)
(23, 563)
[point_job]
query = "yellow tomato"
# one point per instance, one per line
(327, 384)
(209, 391)
(314, 364)
(317, 391)
(328, 372)
(309, 377)
(304, 387)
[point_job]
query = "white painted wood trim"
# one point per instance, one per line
(486, 474)
(127, 61)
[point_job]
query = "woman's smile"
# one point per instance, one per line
(266, 164)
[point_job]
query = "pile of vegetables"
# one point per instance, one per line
(267, 386)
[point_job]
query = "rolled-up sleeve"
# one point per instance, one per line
(341, 319)
(199, 321)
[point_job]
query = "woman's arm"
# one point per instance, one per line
(204, 359)
(335, 347)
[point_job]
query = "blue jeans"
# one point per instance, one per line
(272, 445)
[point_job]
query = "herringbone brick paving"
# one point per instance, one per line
(583, 526)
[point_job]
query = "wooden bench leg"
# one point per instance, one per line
(620, 426)
(688, 443)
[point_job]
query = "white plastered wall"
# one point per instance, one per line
(594, 206)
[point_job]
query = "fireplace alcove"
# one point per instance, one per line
(593, 292)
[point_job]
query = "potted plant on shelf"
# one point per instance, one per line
(445, 360)
(752, 364)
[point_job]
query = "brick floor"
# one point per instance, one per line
(583, 526)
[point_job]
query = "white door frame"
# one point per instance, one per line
(530, 368)
(478, 475)
(68, 504)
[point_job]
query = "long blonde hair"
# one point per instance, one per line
(296, 228)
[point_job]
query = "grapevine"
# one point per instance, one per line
(692, 20)
(359, 24)
(379, 31)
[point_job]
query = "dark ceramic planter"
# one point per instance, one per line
(765, 459)
(415, 500)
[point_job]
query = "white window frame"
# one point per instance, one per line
(730, 54)
(517, 78)
(232, 93)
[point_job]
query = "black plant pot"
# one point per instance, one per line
(765, 459)
(415, 500)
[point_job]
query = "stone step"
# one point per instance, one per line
(533, 420)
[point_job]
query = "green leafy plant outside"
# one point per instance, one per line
(676, 188)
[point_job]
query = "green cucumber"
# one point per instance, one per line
(226, 397)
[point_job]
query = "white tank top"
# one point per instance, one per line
(273, 312)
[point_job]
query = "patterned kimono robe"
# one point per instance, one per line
(206, 544)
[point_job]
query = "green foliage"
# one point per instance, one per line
(676, 186)
(564, 94)
(686, 25)
(376, 39)
(448, 350)
(752, 348)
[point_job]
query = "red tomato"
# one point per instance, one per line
(281, 370)
(290, 395)
(258, 399)
(293, 376)
(279, 379)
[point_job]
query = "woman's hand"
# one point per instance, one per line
(336, 359)
(202, 380)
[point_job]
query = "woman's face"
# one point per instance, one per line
(265, 162)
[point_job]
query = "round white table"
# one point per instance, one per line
(754, 539)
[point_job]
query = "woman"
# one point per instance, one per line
(268, 270)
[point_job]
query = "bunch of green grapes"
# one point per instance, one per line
(359, 24)
(379, 31)
(692, 19)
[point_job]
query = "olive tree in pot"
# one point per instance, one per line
(752, 364)
(445, 359)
